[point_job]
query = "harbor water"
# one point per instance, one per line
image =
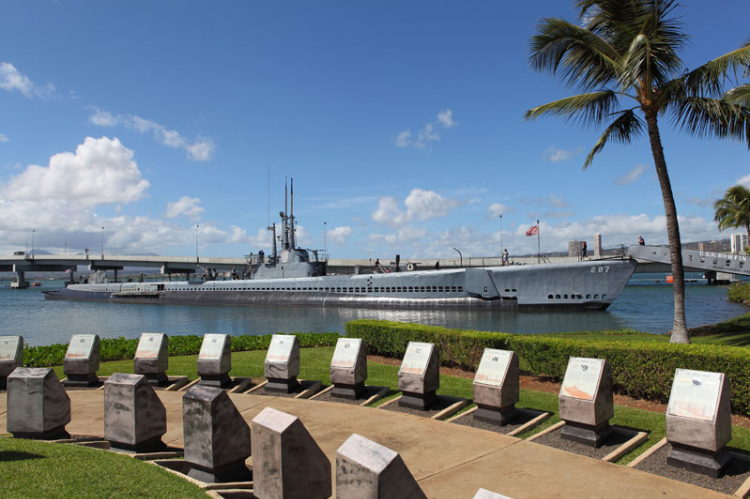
(644, 305)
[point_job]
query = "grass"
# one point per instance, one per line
(315, 362)
(38, 469)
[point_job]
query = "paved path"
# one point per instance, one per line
(449, 461)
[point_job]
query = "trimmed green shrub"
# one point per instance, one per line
(641, 369)
(123, 348)
(739, 292)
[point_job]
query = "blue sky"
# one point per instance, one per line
(400, 122)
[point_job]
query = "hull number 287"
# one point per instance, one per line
(600, 270)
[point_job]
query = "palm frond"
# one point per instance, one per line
(582, 57)
(704, 117)
(708, 79)
(623, 130)
(587, 109)
(739, 95)
(733, 210)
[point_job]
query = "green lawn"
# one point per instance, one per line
(38, 469)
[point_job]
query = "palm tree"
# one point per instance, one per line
(733, 210)
(624, 56)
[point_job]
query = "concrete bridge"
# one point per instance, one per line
(651, 259)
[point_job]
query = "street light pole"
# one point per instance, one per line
(501, 233)
(461, 257)
(102, 243)
(197, 229)
(32, 242)
(325, 233)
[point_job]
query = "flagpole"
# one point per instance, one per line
(538, 244)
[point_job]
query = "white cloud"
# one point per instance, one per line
(744, 181)
(497, 209)
(429, 133)
(3, 138)
(185, 206)
(420, 205)
(555, 155)
(631, 176)
(101, 171)
(11, 79)
(200, 149)
(339, 234)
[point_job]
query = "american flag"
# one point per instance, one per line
(533, 231)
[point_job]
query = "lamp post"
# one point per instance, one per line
(501, 233)
(32, 242)
(325, 233)
(102, 243)
(461, 258)
(197, 229)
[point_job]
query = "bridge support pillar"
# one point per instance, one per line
(710, 277)
(21, 282)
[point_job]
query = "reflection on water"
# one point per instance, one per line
(645, 308)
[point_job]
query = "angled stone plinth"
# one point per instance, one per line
(699, 422)
(368, 470)
(82, 360)
(38, 406)
(11, 356)
(419, 376)
(216, 437)
(282, 363)
(215, 360)
(287, 463)
(486, 494)
(496, 387)
(152, 358)
(587, 401)
(134, 417)
(348, 371)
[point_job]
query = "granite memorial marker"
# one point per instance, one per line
(419, 376)
(496, 387)
(367, 469)
(38, 406)
(215, 360)
(216, 437)
(134, 417)
(11, 356)
(586, 401)
(82, 360)
(699, 422)
(282, 363)
(152, 358)
(287, 462)
(349, 368)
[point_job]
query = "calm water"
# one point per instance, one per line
(42, 322)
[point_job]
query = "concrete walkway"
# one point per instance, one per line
(449, 461)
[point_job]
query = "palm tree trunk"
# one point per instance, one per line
(679, 326)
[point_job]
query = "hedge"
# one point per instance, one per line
(641, 369)
(124, 349)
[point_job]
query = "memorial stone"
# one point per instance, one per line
(82, 360)
(152, 358)
(367, 469)
(215, 360)
(282, 363)
(287, 463)
(134, 417)
(38, 406)
(699, 422)
(216, 437)
(349, 368)
(496, 387)
(486, 494)
(419, 376)
(11, 356)
(586, 401)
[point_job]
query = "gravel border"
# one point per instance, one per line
(737, 472)
(523, 417)
(369, 392)
(618, 438)
(303, 385)
(442, 403)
